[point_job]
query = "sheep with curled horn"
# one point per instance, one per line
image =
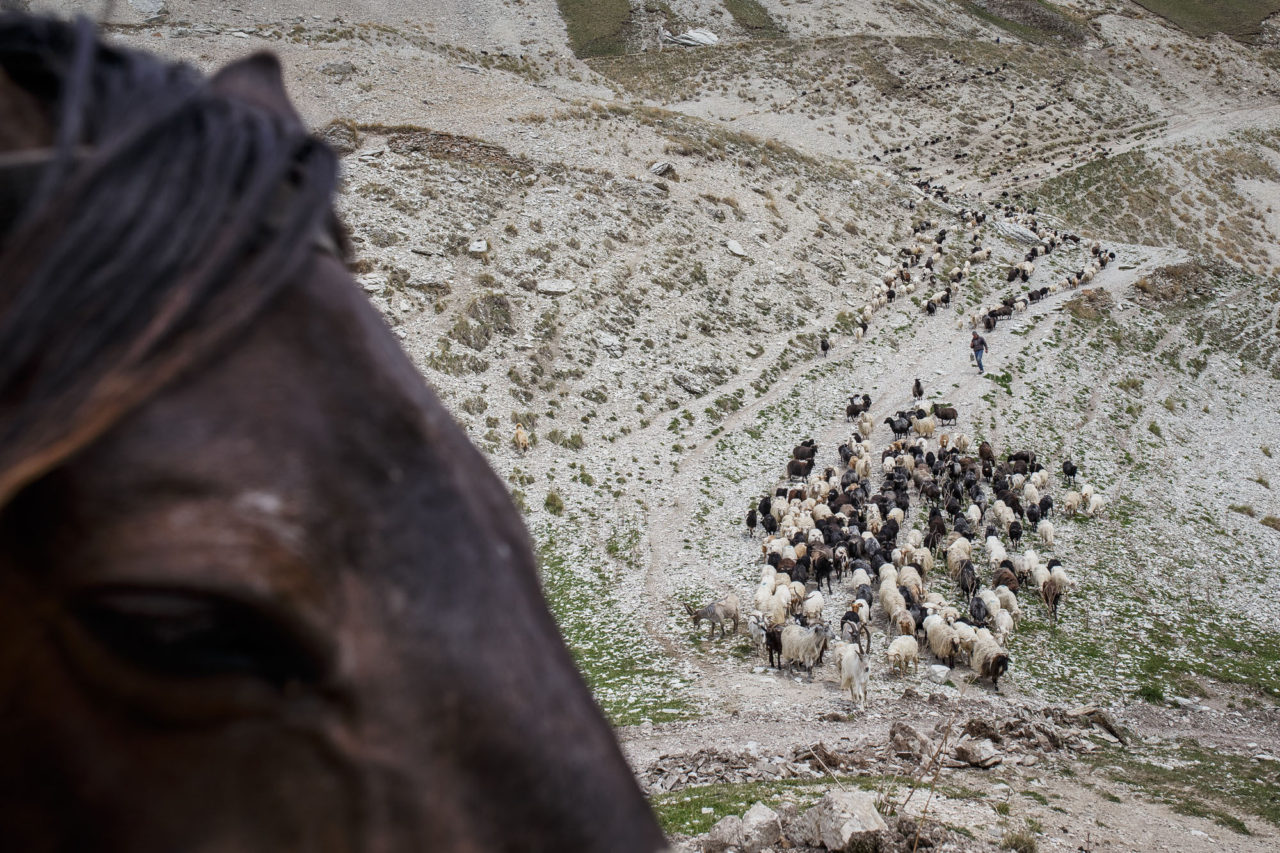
(717, 613)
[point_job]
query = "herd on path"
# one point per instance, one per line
(971, 512)
(920, 538)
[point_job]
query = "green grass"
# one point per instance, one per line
(1200, 783)
(630, 677)
(596, 27)
(681, 810)
(1237, 18)
(753, 17)
(1034, 21)
(1004, 380)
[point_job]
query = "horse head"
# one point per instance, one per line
(249, 566)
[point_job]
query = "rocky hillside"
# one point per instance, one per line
(634, 248)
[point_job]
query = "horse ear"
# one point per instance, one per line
(257, 79)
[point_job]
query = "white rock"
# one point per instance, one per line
(477, 248)
(938, 673)
(735, 248)
(839, 818)
(148, 8)
(556, 286)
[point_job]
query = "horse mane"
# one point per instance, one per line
(171, 211)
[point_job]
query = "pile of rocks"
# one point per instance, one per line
(841, 820)
(1022, 737)
(712, 766)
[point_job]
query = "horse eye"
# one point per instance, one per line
(181, 634)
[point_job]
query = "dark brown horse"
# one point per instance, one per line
(257, 591)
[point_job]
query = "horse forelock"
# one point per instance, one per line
(173, 209)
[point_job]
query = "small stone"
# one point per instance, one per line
(938, 674)
(478, 248)
(735, 248)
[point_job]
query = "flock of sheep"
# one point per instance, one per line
(921, 263)
(879, 528)
(920, 538)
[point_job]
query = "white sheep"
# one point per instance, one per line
(989, 659)
(991, 601)
(911, 579)
(804, 645)
(860, 577)
(957, 552)
(1096, 505)
(1009, 602)
(811, 607)
(1039, 574)
(943, 641)
(1045, 531)
(1003, 626)
(995, 552)
(1030, 494)
(854, 673)
(1071, 502)
(888, 573)
(1064, 581)
(904, 652)
(891, 601)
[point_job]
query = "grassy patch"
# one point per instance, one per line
(1030, 20)
(631, 679)
(1004, 380)
(1020, 840)
(1240, 19)
(1178, 779)
(596, 27)
(753, 17)
(681, 811)
(1272, 521)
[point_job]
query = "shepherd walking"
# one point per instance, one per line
(979, 346)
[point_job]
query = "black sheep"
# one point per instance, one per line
(978, 612)
(751, 521)
(917, 389)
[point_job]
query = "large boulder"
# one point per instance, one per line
(841, 820)
(761, 828)
(726, 834)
